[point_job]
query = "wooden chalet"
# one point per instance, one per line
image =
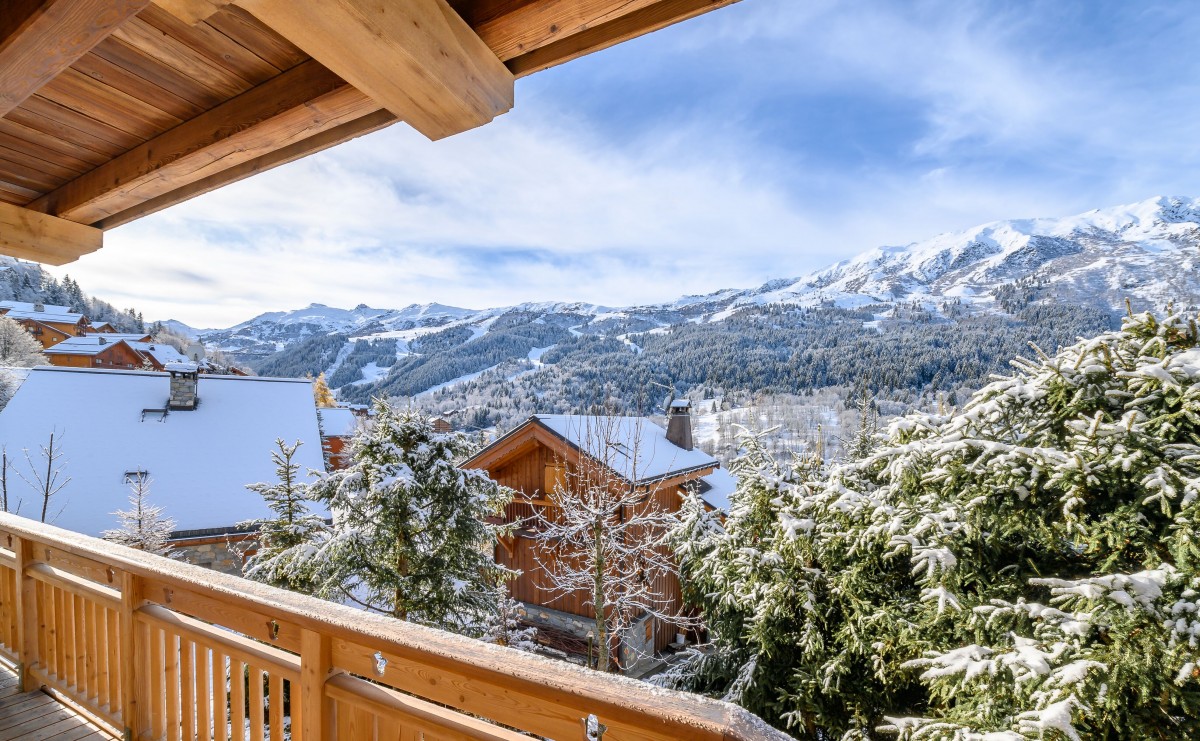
(94, 352)
(49, 324)
(546, 454)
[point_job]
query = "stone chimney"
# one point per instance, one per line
(185, 379)
(679, 423)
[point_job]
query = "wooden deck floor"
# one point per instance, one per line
(36, 716)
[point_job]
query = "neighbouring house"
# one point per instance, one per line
(94, 351)
(338, 425)
(113, 351)
(48, 323)
(102, 328)
(198, 439)
(541, 453)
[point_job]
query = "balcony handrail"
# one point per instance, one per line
(76, 592)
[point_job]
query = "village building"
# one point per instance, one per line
(198, 440)
(338, 425)
(101, 328)
(113, 351)
(49, 324)
(543, 454)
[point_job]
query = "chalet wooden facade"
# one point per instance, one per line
(544, 455)
(99, 354)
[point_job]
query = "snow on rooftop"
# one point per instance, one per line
(634, 447)
(92, 344)
(338, 422)
(28, 306)
(163, 353)
(717, 488)
(199, 461)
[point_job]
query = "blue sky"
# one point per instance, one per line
(763, 140)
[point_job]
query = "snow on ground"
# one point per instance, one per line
(455, 381)
(371, 373)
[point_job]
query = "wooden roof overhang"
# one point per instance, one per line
(114, 109)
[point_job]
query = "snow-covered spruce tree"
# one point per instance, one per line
(411, 536)
(18, 348)
(1024, 568)
(288, 542)
(143, 525)
(605, 538)
(503, 625)
(732, 568)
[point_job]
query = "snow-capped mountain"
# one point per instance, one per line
(1147, 252)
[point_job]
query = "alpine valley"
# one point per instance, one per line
(910, 323)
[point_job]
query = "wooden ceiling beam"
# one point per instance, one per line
(417, 58)
(331, 137)
(647, 17)
(292, 107)
(31, 235)
(192, 12)
(39, 39)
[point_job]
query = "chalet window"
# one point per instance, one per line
(137, 475)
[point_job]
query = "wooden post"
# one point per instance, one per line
(316, 663)
(26, 615)
(133, 679)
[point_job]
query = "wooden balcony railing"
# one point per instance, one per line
(158, 649)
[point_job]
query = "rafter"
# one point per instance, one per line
(30, 235)
(610, 30)
(39, 39)
(298, 104)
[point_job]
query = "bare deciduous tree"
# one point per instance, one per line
(47, 479)
(603, 533)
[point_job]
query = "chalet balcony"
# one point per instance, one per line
(143, 647)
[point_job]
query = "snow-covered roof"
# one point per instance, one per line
(199, 461)
(634, 447)
(716, 489)
(92, 344)
(127, 336)
(164, 354)
(338, 422)
(45, 316)
(29, 306)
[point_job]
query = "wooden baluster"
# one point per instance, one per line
(204, 695)
(257, 717)
(315, 716)
(187, 675)
(172, 642)
(81, 648)
(67, 629)
(237, 699)
(26, 615)
(158, 683)
(275, 700)
(221, 689)
(133, 676)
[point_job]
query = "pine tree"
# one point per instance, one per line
(288, 543)
(411, 536)
(1026, 567)
(143, 525)
(18, 348)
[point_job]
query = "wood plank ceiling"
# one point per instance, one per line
(114, 109)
